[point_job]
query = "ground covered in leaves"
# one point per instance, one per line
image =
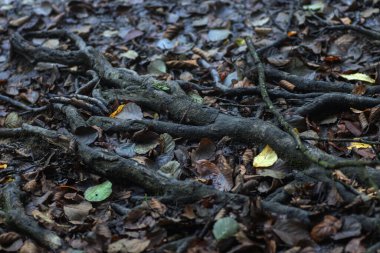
(322, 68)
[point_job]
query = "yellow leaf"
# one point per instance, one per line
(359, 77)
(117, 111)
(266, 158)
(358, 145)
(3, 166)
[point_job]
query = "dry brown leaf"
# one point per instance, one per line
(355, 246)
(128, 246)
(8, 238)
(30, 247)
(188, 212)
(323, 230)
(184, 64)
(287, 85)
(156, 205)
(30, 186)
(77, 213)
(247, 156)
(205, 167)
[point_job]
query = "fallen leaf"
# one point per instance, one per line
(77, 213)
(98, 192)
(291, 231)
(328, 227)
(225, 228)
(130, 54)
(266, 158)
(130, 111)
(355, 246)
(271, 173)
(188, 212)
(317, 6)
(358, 77)
(156, 67)
(217, 35)
(172, 169)
(156, 205)
(358, 145)
(205, 150)
(128, 246)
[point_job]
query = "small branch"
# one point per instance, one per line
(372, 34)
(78, 103)
(21, 105)
(88, 87)
(341, 140)
(334, 102)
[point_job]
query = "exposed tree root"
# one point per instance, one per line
(192, 121)
(15, 217)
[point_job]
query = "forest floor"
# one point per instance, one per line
(189, 126)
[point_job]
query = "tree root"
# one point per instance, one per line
(16, 218)
(192, 120)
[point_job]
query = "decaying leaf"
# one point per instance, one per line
(291, 231)
(247, 156)
(217, 35)
(128, 246)
(205, 150)
(172, 169)
(156, 205)
(328, 227)
(77, 213)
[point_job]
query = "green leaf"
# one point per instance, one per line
(157, 67)
(240, 42)
(195, 97)
(130, 54)
(224, 228)
(161, 86)
(98, 192)
(318, 6)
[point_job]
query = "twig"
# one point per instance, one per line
(341, 140)
(87, 88)
(21, 105)
(364, 31)
(78, 103)
(92, 100)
